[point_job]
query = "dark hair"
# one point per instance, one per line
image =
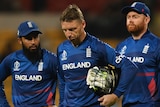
(72, 12)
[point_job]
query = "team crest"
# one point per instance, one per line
(145, 49)
(40, 66)
(88, 51)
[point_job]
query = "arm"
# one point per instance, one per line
(3, 76)
(61, 81)
(61, 86)
(128, 72)
(53, 64)
(3, 100)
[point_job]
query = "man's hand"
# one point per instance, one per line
(108, 100)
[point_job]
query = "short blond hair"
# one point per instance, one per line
(72, 12)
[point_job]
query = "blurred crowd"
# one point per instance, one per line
(102, 16)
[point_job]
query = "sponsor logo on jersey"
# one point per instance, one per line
(123, 50)
(119, 58)
(136, 59)
(64, 55)
(76, 65)
(88, 51)
(28, 77)
(16, 66)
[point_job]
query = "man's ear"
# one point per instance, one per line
(19, 40)
(148, 19)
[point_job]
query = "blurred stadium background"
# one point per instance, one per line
(103, 17)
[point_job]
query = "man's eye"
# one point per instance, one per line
(72, 29)
(28, 38)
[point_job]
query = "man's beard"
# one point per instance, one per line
(32, 54)
(135, 30)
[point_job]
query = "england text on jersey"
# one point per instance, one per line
(28, 77)
(136, 59)
(76, 65)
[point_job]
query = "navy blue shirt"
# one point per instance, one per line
(33, 84)
(145, 52)
(74, 63)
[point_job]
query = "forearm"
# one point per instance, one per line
(128, 73)
(3, 100)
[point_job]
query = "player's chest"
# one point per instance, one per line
(78, 58)
(142, 52)
(78, 54)
(25, 69)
